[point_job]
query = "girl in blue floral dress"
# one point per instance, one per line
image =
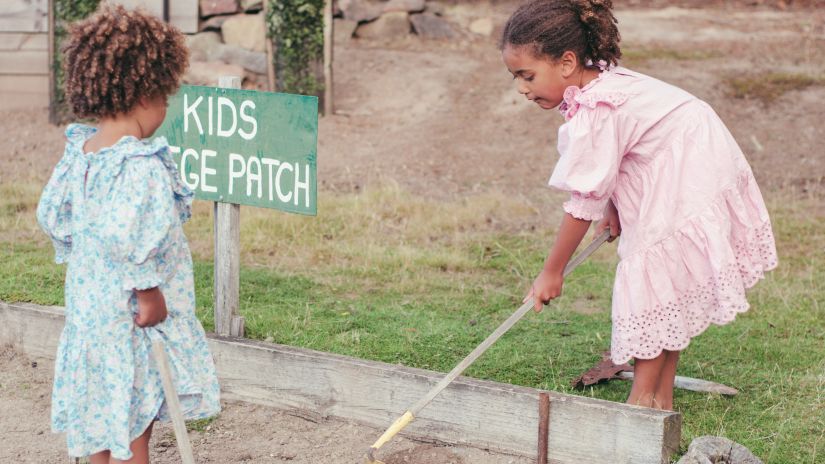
(114, 209)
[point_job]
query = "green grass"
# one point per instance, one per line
(387, 276)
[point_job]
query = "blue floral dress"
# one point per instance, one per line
(115, 217)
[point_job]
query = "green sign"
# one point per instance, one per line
(245, 147)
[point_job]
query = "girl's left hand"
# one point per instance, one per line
(546, 287)
(151, 307)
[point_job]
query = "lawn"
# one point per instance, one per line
(388, 276)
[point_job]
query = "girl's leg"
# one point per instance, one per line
(140, 449)
(100, 458)
(646, 373)
(664, 390)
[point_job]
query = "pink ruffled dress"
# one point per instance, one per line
(695, 230)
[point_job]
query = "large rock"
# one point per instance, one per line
(436, 8)
(343, 29)
(388, 26)
(482, 26)
(410, 6)
(252, 5)
(361, 10)
(430, 26)
(717, 450)
(249, 60)
(203, 44)
(216, 7)
(214, 23)
(208, 72)
(246, 31)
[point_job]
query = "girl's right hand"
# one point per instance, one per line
(610, 221)
(151, 307)
(546, 287)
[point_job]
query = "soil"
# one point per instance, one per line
(443, 120)
(243, 433)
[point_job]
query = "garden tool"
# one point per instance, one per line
(172, 402)
(411, 413)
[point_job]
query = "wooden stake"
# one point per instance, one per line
(270, 56)
(52, 78)
(173, 404)
(544, 426)
(329, 107)
(227, 255)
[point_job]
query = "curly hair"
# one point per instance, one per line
(585, 27)
(116, 57)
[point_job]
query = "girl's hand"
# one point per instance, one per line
(151, 307)
(611, 221)
(546, 287)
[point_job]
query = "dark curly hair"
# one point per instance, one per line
(116, 57)
(551, 27)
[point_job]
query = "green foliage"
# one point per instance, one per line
(65, 12)
(297, 29)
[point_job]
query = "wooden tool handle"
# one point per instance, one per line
(173, 404)
(503, 328)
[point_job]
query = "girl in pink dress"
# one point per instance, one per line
(654, 163)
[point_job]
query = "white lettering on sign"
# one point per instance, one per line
(270, 163)
(204, 170)
(281, 169)
(233, 174)
(253, 173)
(189, 152)
(255, 176)
(302, 185)
(225, 102)
(248, 104)
(190, 110)
(226, 111)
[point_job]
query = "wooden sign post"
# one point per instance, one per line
(241, 147)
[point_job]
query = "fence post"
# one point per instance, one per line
(228, 255)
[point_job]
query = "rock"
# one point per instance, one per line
(214, 23)
(436, 8)
(410, 6)
(251, 6)
(388, 26)
(203, 44)
(207, 72)
(343, 29)
(216, 7)
(430, 26)
(717, 450)
(249, 60)
(482, 26)
(246, 31)
(361, 10)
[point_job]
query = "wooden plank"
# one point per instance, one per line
(24, 15)
(469, 412)
(25, 83)
(329, 102)
(24, 62)
(24, 41)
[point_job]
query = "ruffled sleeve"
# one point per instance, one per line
(54, 210)
(137, 227)
(591, 149)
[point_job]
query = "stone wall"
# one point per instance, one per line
(231, 41)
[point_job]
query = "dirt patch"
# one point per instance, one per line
(243, 433)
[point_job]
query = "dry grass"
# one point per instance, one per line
(770, 86)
